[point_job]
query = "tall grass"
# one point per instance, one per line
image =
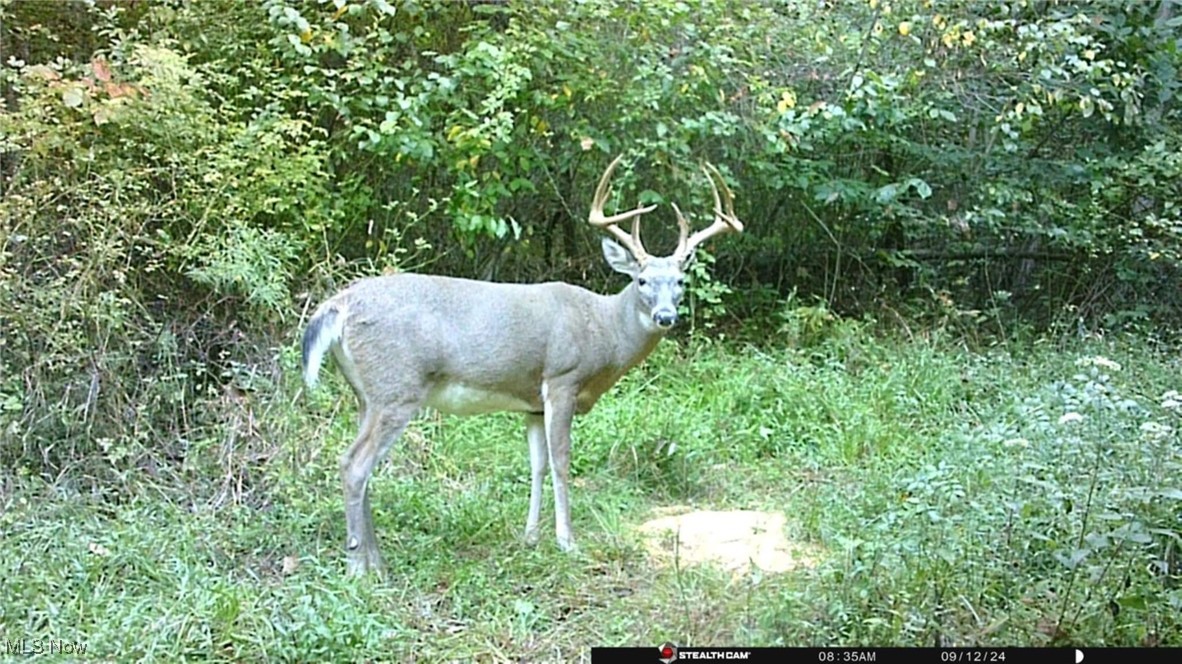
(1023, 496)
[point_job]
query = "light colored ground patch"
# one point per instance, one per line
(735, 540)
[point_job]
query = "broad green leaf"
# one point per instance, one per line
(887, 193)
(72, 97)
(922, 188)
(1171, 493)
(384, 7)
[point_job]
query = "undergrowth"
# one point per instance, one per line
(1020, 496)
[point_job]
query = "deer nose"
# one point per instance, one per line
(665, 318)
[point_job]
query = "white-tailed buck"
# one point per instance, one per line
(464, 347)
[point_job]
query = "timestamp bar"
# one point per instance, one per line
(1069, 655)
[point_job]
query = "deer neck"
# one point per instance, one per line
(636, 335)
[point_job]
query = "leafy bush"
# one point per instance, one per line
(144, 233)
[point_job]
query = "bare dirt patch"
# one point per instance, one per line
(735, 540)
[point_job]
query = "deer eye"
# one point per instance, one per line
(642, 281)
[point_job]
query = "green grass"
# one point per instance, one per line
(950, 500)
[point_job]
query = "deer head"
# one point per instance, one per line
(659, 281)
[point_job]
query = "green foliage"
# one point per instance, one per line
(877, 147)
(706, 292)
(135, 212)
(247, 262)
(908, 132)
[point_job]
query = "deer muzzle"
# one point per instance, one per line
(665, 318)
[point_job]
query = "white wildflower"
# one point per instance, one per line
(1171, 400)
(1129, 406)
(1098, 361)
(1105, 363)
(1156, 430)
(1069, 418)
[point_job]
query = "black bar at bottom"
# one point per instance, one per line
(1081, 655)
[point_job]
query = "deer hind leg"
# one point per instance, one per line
(380, 428)
(539, 460)
(559, 413)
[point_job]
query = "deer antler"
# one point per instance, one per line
(598, 220)
(724, 218)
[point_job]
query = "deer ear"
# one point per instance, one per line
(620, 258)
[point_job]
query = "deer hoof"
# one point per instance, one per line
(363, 561)
(357, 566)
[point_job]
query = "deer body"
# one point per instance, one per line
(550, 351)
(418, 332)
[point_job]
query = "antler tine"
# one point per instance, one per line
(636, 232)
(599, 220)
(729, 199)
(724, 216)
(682, 230)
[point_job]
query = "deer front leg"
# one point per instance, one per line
(559, 413)
(539, 460)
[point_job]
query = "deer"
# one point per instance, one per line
(464, 347)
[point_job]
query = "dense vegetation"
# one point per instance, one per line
(948, 204)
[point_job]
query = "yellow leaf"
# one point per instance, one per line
(969, 38)
(566, 90)
(306, 35)
(787, 101)
(905, 28)
(1153, 255)
(340, 12)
